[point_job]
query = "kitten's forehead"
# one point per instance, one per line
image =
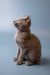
(21, 18)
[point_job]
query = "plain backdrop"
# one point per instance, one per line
(40, 26)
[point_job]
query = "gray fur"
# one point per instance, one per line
(29, 47)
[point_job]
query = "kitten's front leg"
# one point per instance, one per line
(21, 57)
(18, 52)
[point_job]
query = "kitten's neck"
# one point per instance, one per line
(21, 36)
(22, 31)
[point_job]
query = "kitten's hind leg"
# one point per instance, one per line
(29, 63)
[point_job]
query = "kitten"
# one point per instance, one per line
(29, 47)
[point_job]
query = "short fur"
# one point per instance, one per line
(29, 47)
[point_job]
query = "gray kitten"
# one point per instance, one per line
(29, 47)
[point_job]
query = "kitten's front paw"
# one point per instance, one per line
(15, 58)
(19, 62)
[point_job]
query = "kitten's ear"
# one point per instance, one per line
(29, 16)
(28, 19)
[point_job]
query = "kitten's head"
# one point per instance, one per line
(23, 23)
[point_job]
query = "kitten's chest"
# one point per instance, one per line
(20, 37)
(17, 37)
(19, 43)
(19, 40)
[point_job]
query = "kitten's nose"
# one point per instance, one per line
(13, 21)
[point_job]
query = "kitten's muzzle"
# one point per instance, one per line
(13, 21)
